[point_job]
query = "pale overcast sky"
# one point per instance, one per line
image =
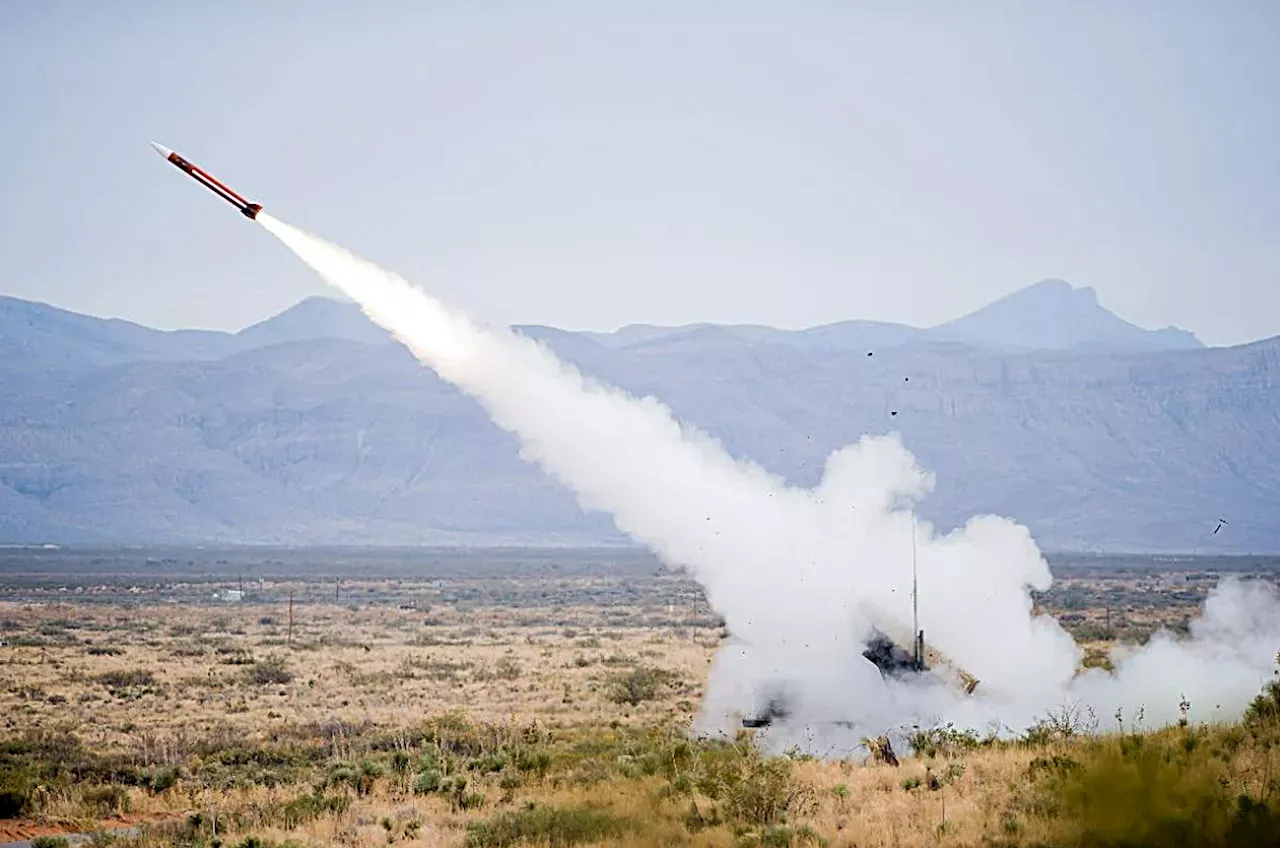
(590, 165)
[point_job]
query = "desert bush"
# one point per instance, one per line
(781, 836)
(51, 842)
(107, 800)
(489, 763)
(469, 800)
(135, 678)
(368, 773)
(945, 741)
(309, 807)
(259, 842)
(507, 669)
(163, 779)
(1153, 789)
(1264, 711)
(359, 776)
(225, 768)
(1060, 725)
(536, 760)
(1098, 658)
(752, 789)
(638, 685)
(15, 792)
(234, 656)
(269, 672)
(547, 825)
(426, 782)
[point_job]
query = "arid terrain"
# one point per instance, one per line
(533, 699)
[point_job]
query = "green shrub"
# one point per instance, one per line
(470, 801)
(360, 776)
(108, 800)
(425, 782)
(752, 789)
(309, 807)
(15, 790)
(640, 684)
(50, 842)
(946, 741)
(536, 760)
(1149, 790)
(539, 825)
(163, 779)
(489, 763)
(1264, 711)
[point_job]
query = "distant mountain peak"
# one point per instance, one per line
(315, 317)
(1053, 314)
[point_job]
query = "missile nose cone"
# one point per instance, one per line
(161, 149)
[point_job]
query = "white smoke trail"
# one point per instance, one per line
(800, 575)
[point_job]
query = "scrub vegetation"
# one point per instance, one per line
(407, 716)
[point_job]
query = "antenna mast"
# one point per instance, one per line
(918, 647)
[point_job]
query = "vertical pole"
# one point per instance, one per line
(915, 598)
(290, 618)
(337, 587)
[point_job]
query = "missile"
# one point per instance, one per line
(247, 209)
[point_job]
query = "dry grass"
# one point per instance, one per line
(358, 666)
(372, 725)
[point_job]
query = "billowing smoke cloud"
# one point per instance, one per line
(802, 575)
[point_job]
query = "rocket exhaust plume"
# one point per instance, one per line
(801, 576)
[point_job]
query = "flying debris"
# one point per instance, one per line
(247, 209)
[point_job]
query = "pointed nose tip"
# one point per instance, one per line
(161, 149)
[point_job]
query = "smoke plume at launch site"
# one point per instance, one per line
(801, 576)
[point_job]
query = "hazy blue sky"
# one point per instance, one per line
(595, 164)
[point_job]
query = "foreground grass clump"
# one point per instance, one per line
(545, 825)
(1154, 791)
(1182, 786)
(735, 783)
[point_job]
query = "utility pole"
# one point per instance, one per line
(337, 587)
(290, 618)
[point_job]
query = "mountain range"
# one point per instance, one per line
(314, 427)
